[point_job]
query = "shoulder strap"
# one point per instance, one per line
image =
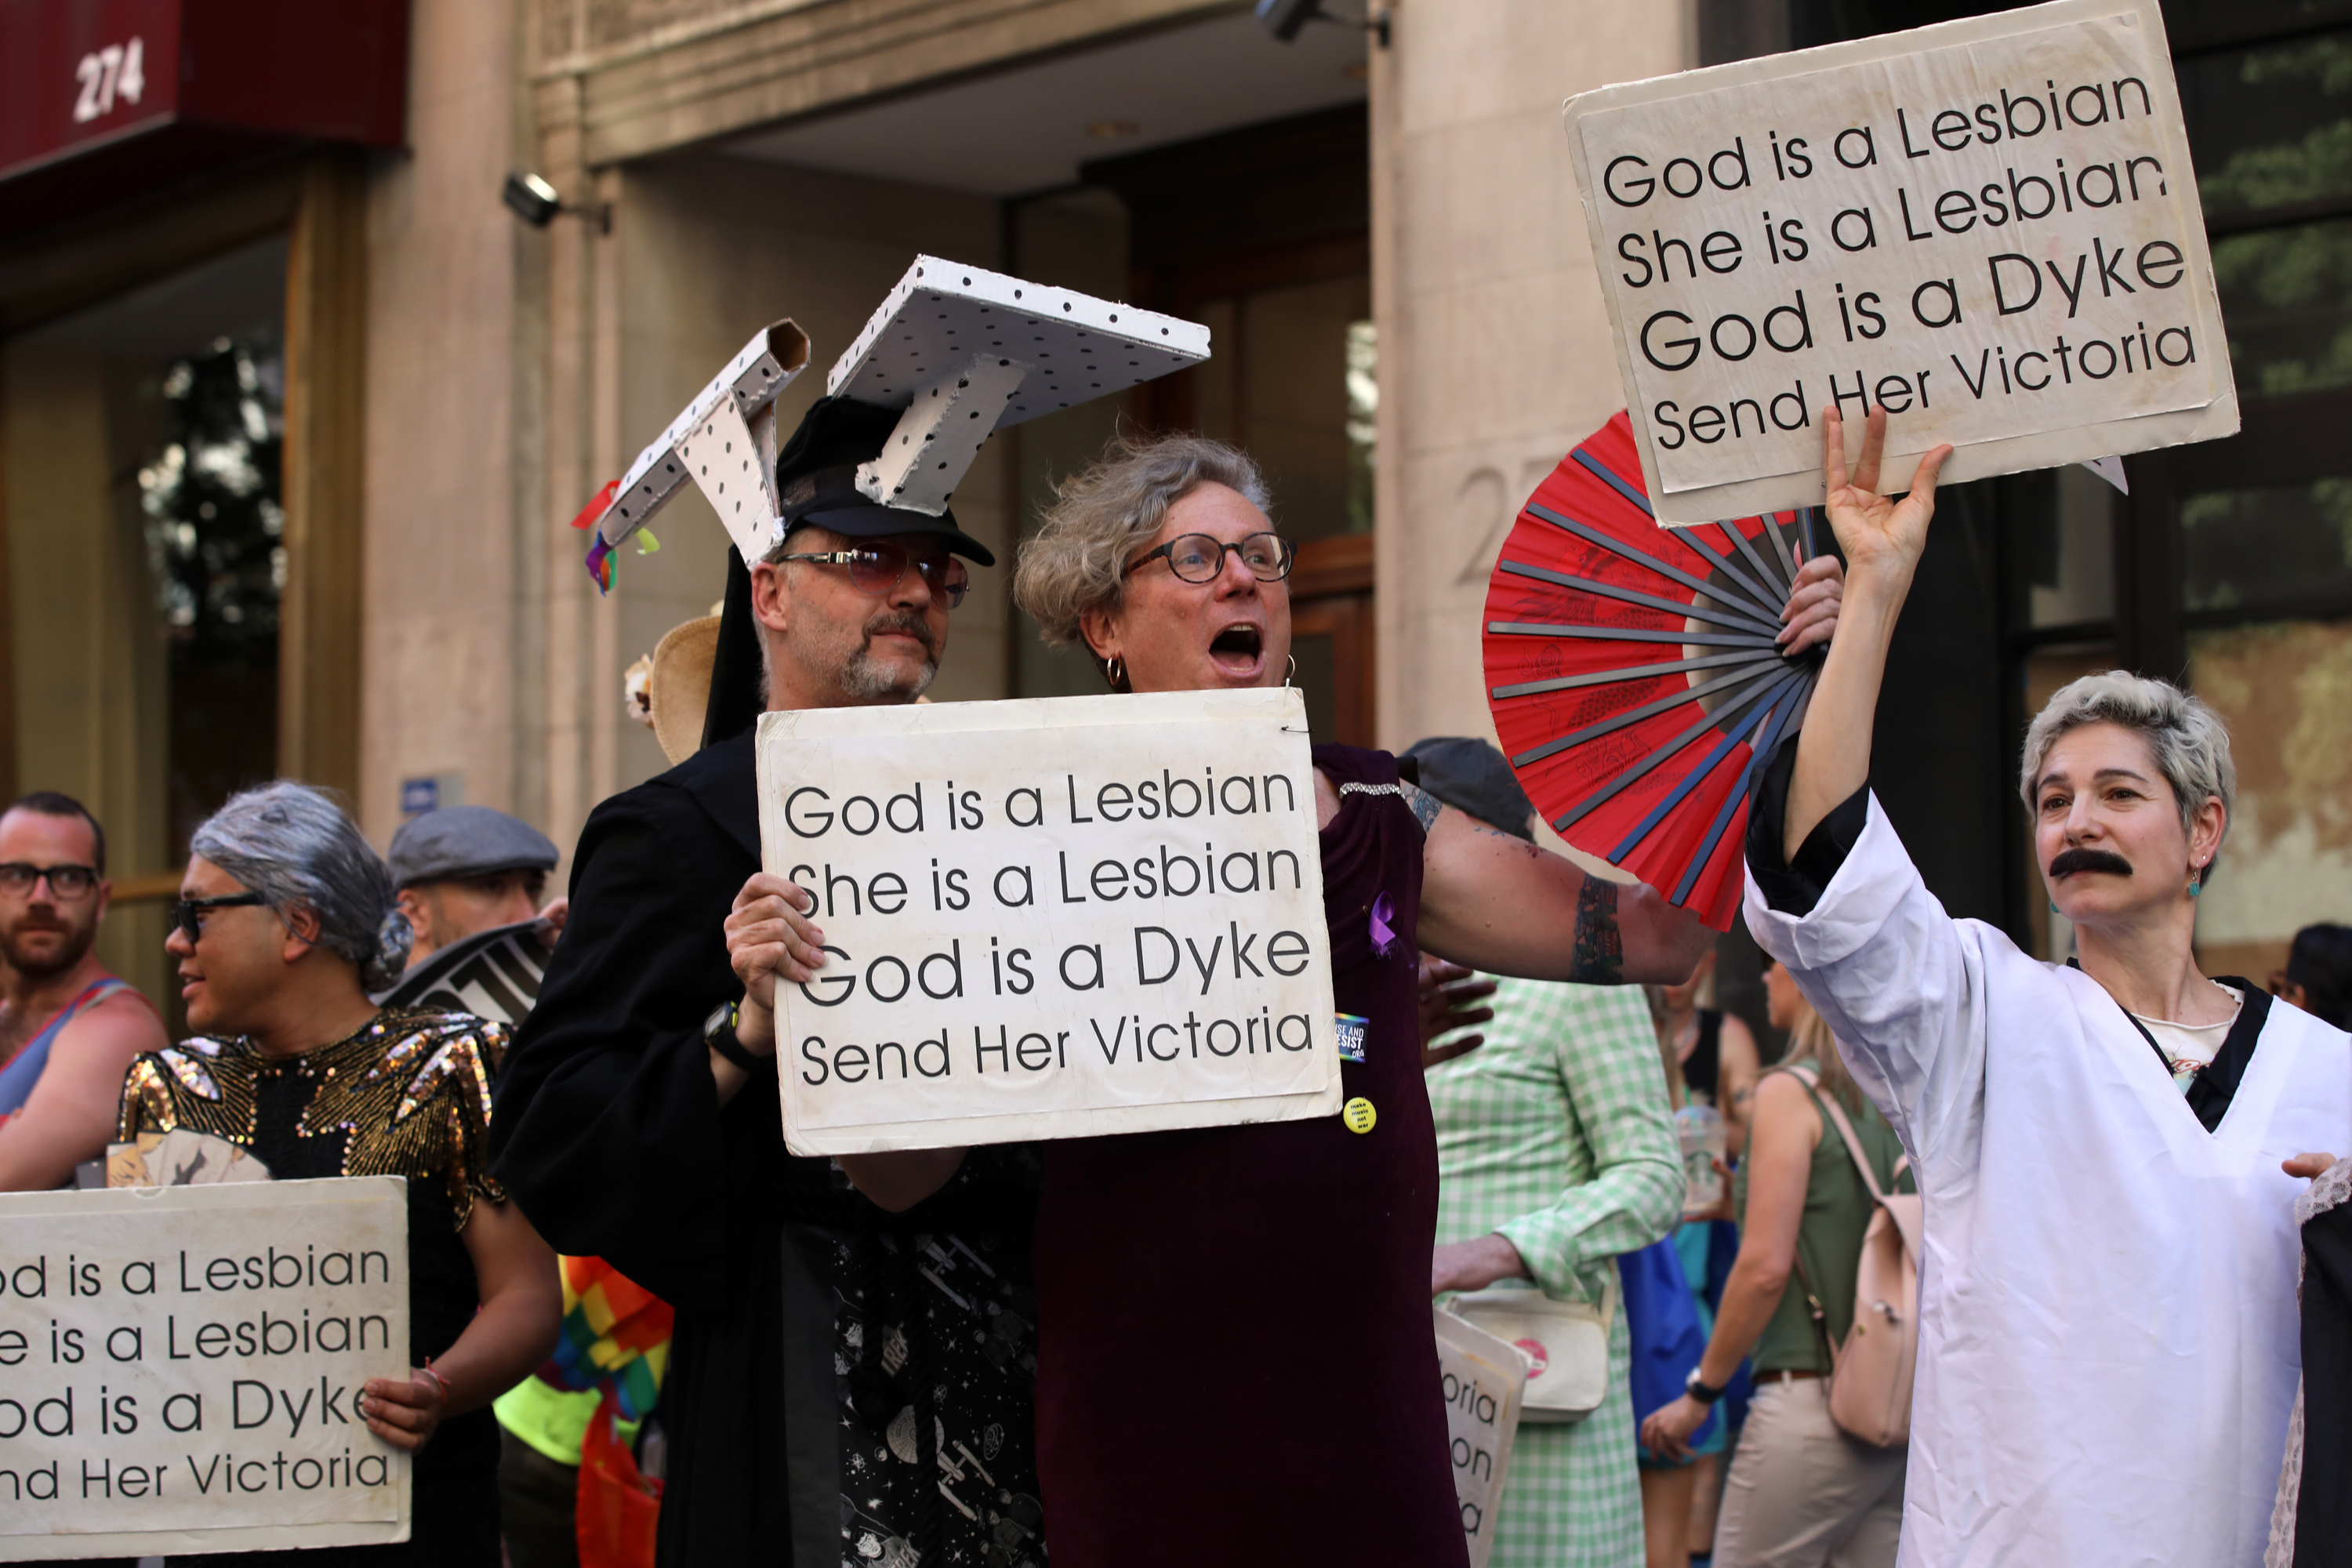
(1813, 1308)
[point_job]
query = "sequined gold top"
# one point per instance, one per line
(408, 1095)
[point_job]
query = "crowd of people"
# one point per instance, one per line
(1215, 1345)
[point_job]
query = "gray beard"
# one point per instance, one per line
(866, 680)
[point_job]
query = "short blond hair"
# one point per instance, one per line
(1101, 516)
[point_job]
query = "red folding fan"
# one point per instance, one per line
(1634, 673)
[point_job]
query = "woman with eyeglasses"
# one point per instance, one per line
(1235, 1363)
(285, 918)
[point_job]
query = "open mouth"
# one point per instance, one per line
(1237, 649)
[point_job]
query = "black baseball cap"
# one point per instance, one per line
(830, 498)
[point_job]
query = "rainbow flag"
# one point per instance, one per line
(615, 1336)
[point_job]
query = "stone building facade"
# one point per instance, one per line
(1378, 221)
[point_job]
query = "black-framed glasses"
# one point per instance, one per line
(1200, 557)
(68, 882)
(188, 914)
(880, 566)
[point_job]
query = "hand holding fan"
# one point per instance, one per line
(1634, 673)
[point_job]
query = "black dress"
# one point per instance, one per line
(408, 1095)
(799, 1431)
(1187, 1418)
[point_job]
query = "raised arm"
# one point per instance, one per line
(1882, 540)
(1831, 893)
(1507, 907)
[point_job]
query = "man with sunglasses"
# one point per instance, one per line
(633, 1125)
(68, 1030)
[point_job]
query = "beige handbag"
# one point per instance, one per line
(1870, 1378)
(1566, 1345)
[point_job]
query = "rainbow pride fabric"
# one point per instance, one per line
(616, 1335)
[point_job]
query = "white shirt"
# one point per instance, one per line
(2188, 1046)
(2109, 1342)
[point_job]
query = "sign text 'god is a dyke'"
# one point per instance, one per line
(180, 1367)
(1049, 919)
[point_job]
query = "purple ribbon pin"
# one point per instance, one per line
(1384, 938)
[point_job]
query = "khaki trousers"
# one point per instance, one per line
(1802, 1493)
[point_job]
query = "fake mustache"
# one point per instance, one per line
(2070, 861)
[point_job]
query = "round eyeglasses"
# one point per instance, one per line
(880, 565)
(68, 882)
(1200, 557)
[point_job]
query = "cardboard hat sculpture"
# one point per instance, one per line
(952, 354)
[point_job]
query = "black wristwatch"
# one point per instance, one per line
(719, 1033)
(1700, 1391)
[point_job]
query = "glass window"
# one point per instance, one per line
(1363, 379)
(2189, 20)
(2285, 691)
(209, 496)
(1292, 385)
(2271, 125)
(2287, 295)
(2267, 546)
(2072, 573)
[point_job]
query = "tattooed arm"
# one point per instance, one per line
(1502, 905)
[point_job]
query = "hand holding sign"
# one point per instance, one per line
(1986, 229)
(1041, 919)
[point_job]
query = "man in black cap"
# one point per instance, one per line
(464, 869)
(633, 1125)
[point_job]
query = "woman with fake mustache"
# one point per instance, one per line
(2108, 1148)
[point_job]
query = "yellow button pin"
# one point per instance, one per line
(1359, 1114)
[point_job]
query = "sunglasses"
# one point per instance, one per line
(188, 914)
(1199, 558)
(68, 882)
(878, 567)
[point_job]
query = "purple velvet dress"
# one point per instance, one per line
(1236, 1365)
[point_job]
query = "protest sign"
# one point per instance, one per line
(1988, 228)
(1483, 1378)
(179, 1368)
(1050, 919)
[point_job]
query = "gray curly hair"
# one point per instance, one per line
(292, 844)
(2187, 739)
(1101, 516)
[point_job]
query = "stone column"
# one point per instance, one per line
(1494, 351)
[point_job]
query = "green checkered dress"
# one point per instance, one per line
(1555, 1134)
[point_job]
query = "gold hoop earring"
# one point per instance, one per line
(1114, 671)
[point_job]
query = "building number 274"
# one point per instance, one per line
(118, 70)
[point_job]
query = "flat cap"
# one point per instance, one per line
(467, 841)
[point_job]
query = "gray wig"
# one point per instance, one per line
(2187, 739)
(295, 846)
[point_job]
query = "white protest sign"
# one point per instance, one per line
(1050, 919)
(1988, 228)
(1483, 1378)
(179, 1367)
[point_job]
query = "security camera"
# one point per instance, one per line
(1285, 18)
(533, 199)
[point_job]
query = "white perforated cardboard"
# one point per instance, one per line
(725, 441)
(937, 333)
